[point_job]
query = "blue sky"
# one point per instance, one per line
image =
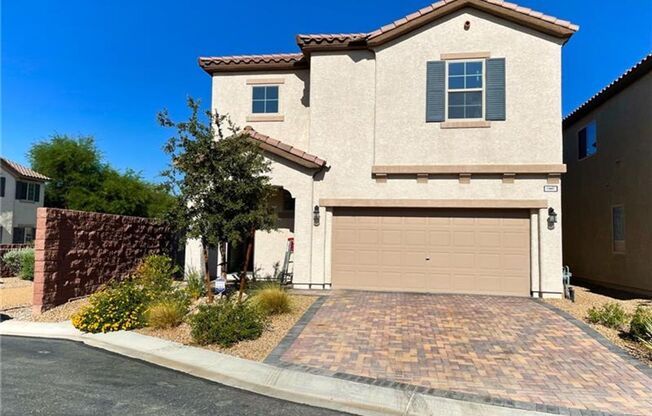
(106, 68)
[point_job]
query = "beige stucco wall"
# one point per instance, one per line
(15, 213)
(619, 173)
(232, 96)
(368, 107)
(531, 133)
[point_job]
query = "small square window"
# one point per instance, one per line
(587, 141)
(264, 99)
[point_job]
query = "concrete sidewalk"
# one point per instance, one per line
(298, 387)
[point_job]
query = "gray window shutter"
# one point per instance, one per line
(436, 91)
(495, 89)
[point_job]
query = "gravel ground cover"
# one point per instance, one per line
(256, 350)
(590, 296)
(15, 292)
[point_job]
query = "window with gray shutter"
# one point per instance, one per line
(435, 91)
(495, 94)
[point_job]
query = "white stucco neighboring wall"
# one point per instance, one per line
(17, 213)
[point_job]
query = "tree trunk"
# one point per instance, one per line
(207, 274)
(223, 262)
(243, 275)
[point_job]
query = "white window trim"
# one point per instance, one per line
(32, 185)
(577, 140)
(613, 235)
(251, 101)
(483, 89)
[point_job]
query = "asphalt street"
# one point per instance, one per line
(57, 377)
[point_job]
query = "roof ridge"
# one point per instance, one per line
(593, 101)
(23, 171)
(285, 150)
(343, 38)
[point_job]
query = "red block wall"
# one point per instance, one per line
(78, 252)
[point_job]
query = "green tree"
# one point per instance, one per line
(220, 182)
(81, 180)
(74, 167)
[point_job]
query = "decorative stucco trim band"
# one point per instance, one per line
(467, 169)
(465, 124)
(435, 203)
(265, 81)
(253, 119)
(465, 55)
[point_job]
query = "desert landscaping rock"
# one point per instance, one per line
(586, 298)
(255, 350)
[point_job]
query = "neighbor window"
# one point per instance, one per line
(28, 191)
(23, 235)
(618, 228)
(3, 183)
(265, 99)
(465, 90)
(587, 141)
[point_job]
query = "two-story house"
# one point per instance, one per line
(607, 200)
(422, 156)
(21, 193)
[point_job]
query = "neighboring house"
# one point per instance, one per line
(608, 188)
(423, 156)
(22, 190)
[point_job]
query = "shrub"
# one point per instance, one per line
(195, 285)
(640, 327)
(166, 313)
(121, 306)
(20, 263)
(226, 322)
(610, 314)
(272, 299)
(27, 264)
(156, 274)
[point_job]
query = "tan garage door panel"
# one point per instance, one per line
(432, 250)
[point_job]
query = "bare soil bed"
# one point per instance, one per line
(590, 296)
(256, 350)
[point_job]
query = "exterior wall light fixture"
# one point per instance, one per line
(315, 216)
(552, 218)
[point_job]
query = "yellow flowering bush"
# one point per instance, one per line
(156, 273)
(121, 306)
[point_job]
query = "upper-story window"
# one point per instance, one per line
(587, 141)
(28, 191)
(264, 99)
(465, 90)
(3, 183)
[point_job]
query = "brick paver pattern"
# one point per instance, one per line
(508, 348)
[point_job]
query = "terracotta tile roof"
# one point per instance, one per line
(307, 42)
(254, 62)
(23, 171)
(332, 38)
(634, 73)
(429, 13)
(284, 150)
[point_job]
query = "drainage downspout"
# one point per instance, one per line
(540, 256)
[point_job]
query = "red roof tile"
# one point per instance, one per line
(339, 39)
(286, 151)
(23, 171)
(240, 62)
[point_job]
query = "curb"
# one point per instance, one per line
(299, 387)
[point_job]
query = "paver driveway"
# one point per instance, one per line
(509, 349)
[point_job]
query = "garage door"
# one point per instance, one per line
(432, 250)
